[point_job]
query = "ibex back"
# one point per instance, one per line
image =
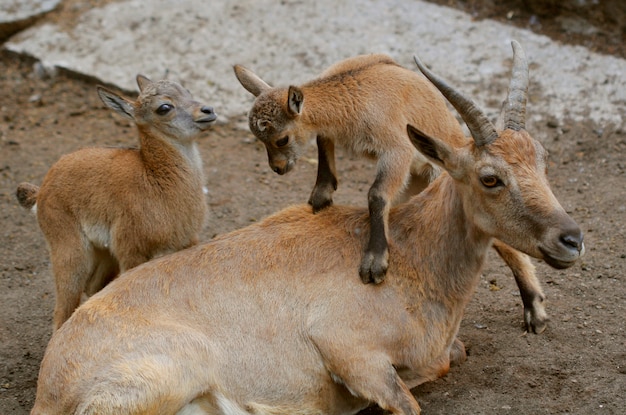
(363, 104)
(106, 210)
(273, 319)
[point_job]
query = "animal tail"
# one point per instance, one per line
(27, 195)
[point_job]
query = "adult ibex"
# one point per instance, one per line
(364, 104)
(106, 210)
(273, 318)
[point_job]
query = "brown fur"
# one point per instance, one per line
(363, 104)
(273, 319)
(106, 210)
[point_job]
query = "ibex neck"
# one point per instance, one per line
(165, 156)
(434, 234)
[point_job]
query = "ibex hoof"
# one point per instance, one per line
(536, 319)
(458, 354)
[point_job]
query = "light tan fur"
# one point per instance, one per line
(274, 319)
(363, 104)
(106, 210)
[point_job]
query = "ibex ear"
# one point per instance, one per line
(250, 81)
(434, 149)
(142, 82)
(263, 125)
(295, 100)
(117, 103)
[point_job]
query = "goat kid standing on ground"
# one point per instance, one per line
(363, 104)
(272, 319)
(106, 210)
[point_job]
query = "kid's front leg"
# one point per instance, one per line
(326, 183)
(375, 259)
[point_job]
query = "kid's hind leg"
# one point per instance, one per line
(535, 316)
(105, 270)
(130, 252)
(392, 172)
(421, 175)
(72, 265)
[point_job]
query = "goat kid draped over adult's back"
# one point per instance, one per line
(273, 318)
(363, 104)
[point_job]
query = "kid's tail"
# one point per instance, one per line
(27, 195)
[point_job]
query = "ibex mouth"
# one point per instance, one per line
(562, 262)
(208, 119)
(283, 169)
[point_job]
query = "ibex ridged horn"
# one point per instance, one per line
(515, 104)
(483, 131)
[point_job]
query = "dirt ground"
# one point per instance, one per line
(577, 366)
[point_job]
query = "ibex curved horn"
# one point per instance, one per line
(483, 131)
(515, 105)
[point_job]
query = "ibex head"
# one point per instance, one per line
(507, 170)
(273, 119)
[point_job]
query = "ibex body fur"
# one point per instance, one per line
(273, 319)
(106, 210)
(363, 104)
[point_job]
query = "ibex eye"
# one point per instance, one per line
(490, 181)
(164, 109)
(282, 142)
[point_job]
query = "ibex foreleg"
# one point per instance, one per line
(535, 315)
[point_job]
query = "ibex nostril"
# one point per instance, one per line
(207, 110)
(574, 241)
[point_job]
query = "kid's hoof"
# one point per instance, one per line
(373, 269)
(320, 203)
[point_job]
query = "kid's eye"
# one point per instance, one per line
(164, 109)
(282, 142)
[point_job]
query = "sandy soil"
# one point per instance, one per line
(577, 366)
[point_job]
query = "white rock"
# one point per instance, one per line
(197, 42)
(15, 15)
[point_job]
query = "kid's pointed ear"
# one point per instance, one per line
(434, 149)
(117, 103)
(250, 81)
(142, 82)
(295, 100)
